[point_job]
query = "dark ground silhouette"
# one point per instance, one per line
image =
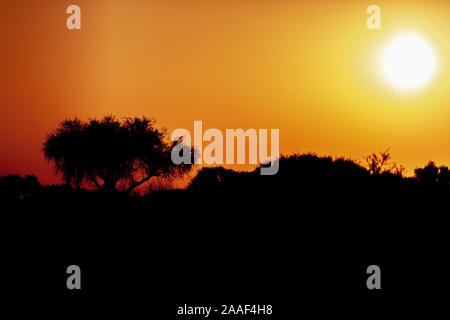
(313, 228)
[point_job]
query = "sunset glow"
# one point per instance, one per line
(312, 70)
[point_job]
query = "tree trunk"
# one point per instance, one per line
(109, 185)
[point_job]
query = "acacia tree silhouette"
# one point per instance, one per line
(108, 151)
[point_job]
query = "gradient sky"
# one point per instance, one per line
(310, 69)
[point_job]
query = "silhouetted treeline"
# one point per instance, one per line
(305, 173)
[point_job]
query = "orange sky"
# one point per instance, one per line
(307, 68)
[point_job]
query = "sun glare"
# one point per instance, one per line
(408, 61)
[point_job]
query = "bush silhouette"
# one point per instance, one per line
(109, 151)
(14, 187)
(431, 174)
(381, 164)
(296, 171)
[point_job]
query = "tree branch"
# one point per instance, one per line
(137, 183)
(94, 180)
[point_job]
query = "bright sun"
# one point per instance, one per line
(408, 61)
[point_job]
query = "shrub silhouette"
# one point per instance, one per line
(14, 187)
(210, 177)
(108, 151)
(431, 174)
(296, 171)
(381, 164)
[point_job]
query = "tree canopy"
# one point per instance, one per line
(108, 151)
